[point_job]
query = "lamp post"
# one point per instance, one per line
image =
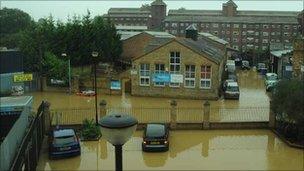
(64, 55)
(118, 129)
(95, 55)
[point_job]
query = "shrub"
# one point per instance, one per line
(90, 130)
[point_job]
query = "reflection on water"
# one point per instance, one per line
(195, 150)
(251, 87)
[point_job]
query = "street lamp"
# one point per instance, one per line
(118, 129)
(64, 55)
(95, 55)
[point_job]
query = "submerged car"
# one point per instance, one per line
(63, 143)
(156, 137)
(261, 66)
(232, 91)
(271, 80)
(245, 65)
(225, 84)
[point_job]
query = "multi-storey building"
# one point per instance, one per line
(151, 16)
(242, 29)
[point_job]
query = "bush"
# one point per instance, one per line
(90, 130)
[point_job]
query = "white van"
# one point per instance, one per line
(230, 66)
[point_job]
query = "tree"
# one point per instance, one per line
(12, 21)
(145, 7)
(287, 103)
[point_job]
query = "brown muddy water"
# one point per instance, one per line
(189, 150)
(251, 84)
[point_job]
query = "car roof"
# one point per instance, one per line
(64, 132)
(230, 80)
(271, 74)
(233, 84)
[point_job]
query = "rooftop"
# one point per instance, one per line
(12, 103)
(128, 10)
(127, 34)
(119, 27)
(224, 19)
(280, 53)
(214, 38)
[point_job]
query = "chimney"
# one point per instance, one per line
(191, 32)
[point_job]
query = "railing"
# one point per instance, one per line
(190, 115)
(247, 114)
(71, 116)
(144, 115)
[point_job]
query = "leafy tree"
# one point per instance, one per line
(54, 67)
(287, 103)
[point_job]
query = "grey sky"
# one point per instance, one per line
(61, 9)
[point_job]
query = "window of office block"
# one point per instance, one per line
(159, 69)
(189, 76)
(205, 81)
(144, 75)
(175, 64)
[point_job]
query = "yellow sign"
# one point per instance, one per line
(23, 77)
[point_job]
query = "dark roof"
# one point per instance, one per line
(203, 47)
(230, 2)
(128, 15)
(224, 19)
(158, 2)
(128, 10)
(240, 13)
(155, 43)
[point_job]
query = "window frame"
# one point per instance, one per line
(174, 65)
(144, 76)
(189, 72)
(156, 84)
(205, 79)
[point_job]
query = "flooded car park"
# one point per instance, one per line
(205, 150)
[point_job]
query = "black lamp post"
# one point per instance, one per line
(95, 55)
(118, 129)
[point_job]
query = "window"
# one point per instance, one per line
(265, 41)
(127, 19)
(236, 25)
(215, 32)
(272, 33)
(167, 24)
(235, 40)
(257, 33)
(174, 65)
(144, 77)
(228, 25)
(159, 69)
(202, 25)
(235, 33)
(207, 25)
(182, 24)
(121, 18)
(205, 77)
(182, 31)
(236, 47)
(264, 47)
(244, 26)
(265, 26)
(227, 32)
(286, 34)
(265, 33)
(257, 26)
(190, 76)
(174, 24)
(244, 33)
(215, 25)
(286, 26)
(173, 31)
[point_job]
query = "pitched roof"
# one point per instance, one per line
(214, 38)
(200, 46)
(230, 2)
(158, 2)
(191, 27)
(224, 19)
(128, 34)
(128, 10)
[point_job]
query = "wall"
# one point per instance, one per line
(188, 57)
(7, 81)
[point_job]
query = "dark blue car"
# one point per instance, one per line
(63, 143)
(156, 137)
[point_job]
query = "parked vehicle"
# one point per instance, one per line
(63, 143)
(232, 91)
(224, 86)
(261, 66)
(245, 65)
(155, 137)
(271, 80)
(232, 76)
(230, 66)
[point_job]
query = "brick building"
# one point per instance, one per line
(196, 62)
(151, 16)
(242, 29)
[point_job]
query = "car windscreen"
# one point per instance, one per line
(155, 131)
(232, 88)
(64, 140)
(272, 77)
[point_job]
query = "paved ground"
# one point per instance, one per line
(189, 150)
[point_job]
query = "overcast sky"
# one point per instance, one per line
(61, 9)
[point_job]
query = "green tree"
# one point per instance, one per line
(288, 103)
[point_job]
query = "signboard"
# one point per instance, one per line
(23, 77)
(176, 78)
(288, 68)
(115, 85)
(161, 77)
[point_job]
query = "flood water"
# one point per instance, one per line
(251, 84)
(204, 150)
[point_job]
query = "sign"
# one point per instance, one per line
(133, 72)
(161, 77)
(115, 85)
(288, 68)
(176, 78)
(23, 77)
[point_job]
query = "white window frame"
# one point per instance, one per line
(146, 69)
(204, 78)
(188, 76)
(174, 64)
(158, 71)
(215, 25)
(236, 26)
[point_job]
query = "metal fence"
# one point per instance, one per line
(28, 153)
(71, 116)
(190, 115)
(247, 114)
